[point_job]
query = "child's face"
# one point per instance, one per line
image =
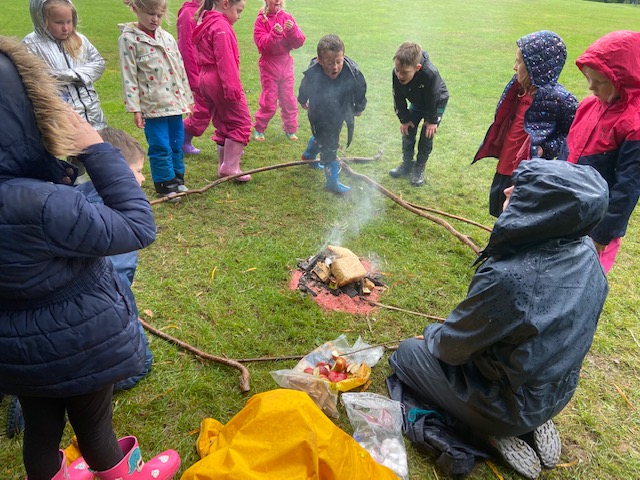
(600, 85)
(405, 73)
(274, 6)
(136, 167)
(520, 68)
(150, 20)
(232, 10)
(331, 63)
(60, 22)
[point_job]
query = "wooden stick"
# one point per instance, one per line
(244, 376)
(445, 214)
(382, 305)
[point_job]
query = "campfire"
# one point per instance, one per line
(338, 279)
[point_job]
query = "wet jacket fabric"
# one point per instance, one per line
(276, 68)
(66, 325)
(607, 135)
(426, 92)
(548, 119)
(220, 85)
(76, 75)
(184, 26)
(333, 102)
(508, 357)
(154, 80)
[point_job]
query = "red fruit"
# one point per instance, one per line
(333, 376)
(321, 364)
(323, 370)
(308, 370)
(341, 376)
(340, 365)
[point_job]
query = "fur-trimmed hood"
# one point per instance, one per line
(36, 126)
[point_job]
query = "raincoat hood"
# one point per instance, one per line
(616, 56)
(552, 199)
(37, 16)
(22, 153)
(209, 20)
(544, 55)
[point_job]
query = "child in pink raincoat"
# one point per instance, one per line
(276, 34)
(606, 132)
(197, 123)
(219, 81)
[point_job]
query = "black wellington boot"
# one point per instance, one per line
(417, 178)
(402, 170)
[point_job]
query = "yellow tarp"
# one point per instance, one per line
(281, 435)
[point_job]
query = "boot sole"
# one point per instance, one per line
(518, 455)
(547, 443)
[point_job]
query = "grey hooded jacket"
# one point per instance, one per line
(76, 75)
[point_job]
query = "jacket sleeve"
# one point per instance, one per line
(129, 69)
(303, 91)
(77, 228)
(265, 37)
(228, 70)
(360, 93)
(399, 100)
(432, 96)
(552, 145)
(93, 67)
(489, 314)
(623, 194)
(187, 49)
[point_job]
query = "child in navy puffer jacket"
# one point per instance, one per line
(534, 112)
(67, 330)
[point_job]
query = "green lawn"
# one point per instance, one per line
(254, 234)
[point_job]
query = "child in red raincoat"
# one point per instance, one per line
(276, 34)
(606, 132)
(219, 81)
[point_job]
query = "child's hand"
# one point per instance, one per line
(599, 246)
(85, 134)
(288, 25)
(305, 105)
(404, 128)
(357, 114)
(430, 130)
(278, 28)
(138, 120)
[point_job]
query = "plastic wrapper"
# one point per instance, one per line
(377, 427)
(323, 392)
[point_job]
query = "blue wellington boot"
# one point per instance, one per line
(312, 152)
(331, 171)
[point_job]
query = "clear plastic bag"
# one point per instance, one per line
(377, 427)
(323, 392)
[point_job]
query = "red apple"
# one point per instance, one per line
(340, 365)
(308, 370)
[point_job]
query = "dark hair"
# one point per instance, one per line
(210, 5)
(330, 43)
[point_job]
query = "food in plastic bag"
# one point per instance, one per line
(377, 427)
(361, 357)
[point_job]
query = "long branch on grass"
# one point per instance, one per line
(245, 384)
(387, 193)
(390, 307)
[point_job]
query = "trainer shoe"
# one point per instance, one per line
(291, 136)
(258, 136)
(518, 455)
(546, 442)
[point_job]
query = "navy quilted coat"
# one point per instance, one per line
(65, 323)
(551, 113)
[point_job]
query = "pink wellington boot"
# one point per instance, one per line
(187, 147)
(231, 163)
(79, 470)
(62, 473)
(220, 149)
(161, 467)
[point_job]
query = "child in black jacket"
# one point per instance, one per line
(416, 80)
(332, 95)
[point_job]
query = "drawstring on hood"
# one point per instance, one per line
(544, 54)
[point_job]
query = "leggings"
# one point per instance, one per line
(90, 417)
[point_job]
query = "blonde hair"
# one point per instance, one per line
(265, 9)
(129, 146)
(73, 43)
(51, 112)
(147, 5)
(408, 54)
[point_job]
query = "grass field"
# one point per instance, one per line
(254, 234)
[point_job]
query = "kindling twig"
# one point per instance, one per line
(244, 373)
